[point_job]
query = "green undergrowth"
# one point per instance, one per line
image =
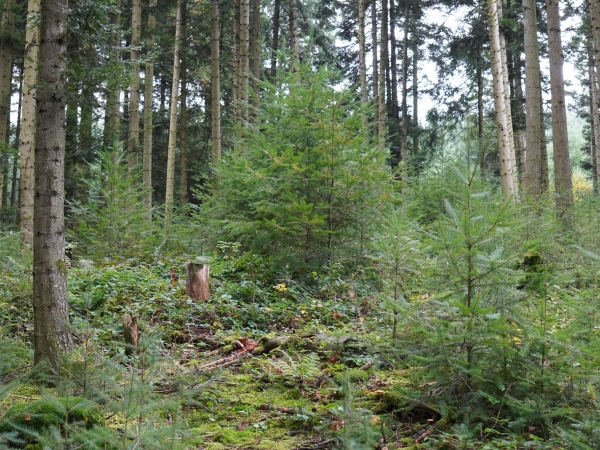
(500, 352)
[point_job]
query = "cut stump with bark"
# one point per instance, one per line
(197, 281)
(131, 333)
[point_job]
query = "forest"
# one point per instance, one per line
(300, 224)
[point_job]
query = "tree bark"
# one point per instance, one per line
(215, 82)
(112, 118)
(244, 68)
(131, 334)
(28, 122)
(364, 94)
(507, 177)
(183, 117)
(134, 89)
(594, 8)
(532, 180)
(6, 69)
(275, 42)
(394, 109)
(148, 111)
(374, 50)
(383, 66)
(173, 123)
(563, 185)
(197, 282)
(415, 93)
(236, 61)
(15, 166)
(52, 336)
(404, 137)
(294, 38)
(519, 114)
(255, 63)
(595, 122)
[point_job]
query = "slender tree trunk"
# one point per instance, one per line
(52, 336)
(183, 117)
(532, 180)
(595, 122)
(275, 43)
(17, 140)
(514, 173)
(255, 63)
(362, 52)
(85, 127)
(544, 145)
(244, 68)
(294, 38)
(173, 123)
(134, 89)
(594, 8)
(480, 115)
(215, 82)
(563, 185)
(507, 177)
(374, 50)
(6, 69)
(519, 114)
(236, 61)
(394, 110)
(415, 92)
(112, 118)
(148, 110)
(383, 66)
(28, 122)
(404, 142)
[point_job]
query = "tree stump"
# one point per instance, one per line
(197, 281)
(130, 331)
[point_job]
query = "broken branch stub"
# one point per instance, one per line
(197, 281)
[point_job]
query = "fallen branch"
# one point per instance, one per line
(225, 362)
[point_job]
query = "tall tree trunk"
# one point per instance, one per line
(15, 166)
(294, 38)
(255, 63)
(362, 57)
(236, 61)
(519, 115)
(134, 89)
(394, 110)
(148, 110)
(544, 144)
(215, 82)
(532, 180)
(275, 42)
(183, 117)
(6, 69)
(507, 105)
(244, 61)
(383, 66)
(112, 118)
(594, 8)
(28, 122)
(173, 123)
(415, 92)
(404, 141)
(595, 122)
(563, 185)
(507, 176)
(374, 50)
(480, 116)
(52, 336)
